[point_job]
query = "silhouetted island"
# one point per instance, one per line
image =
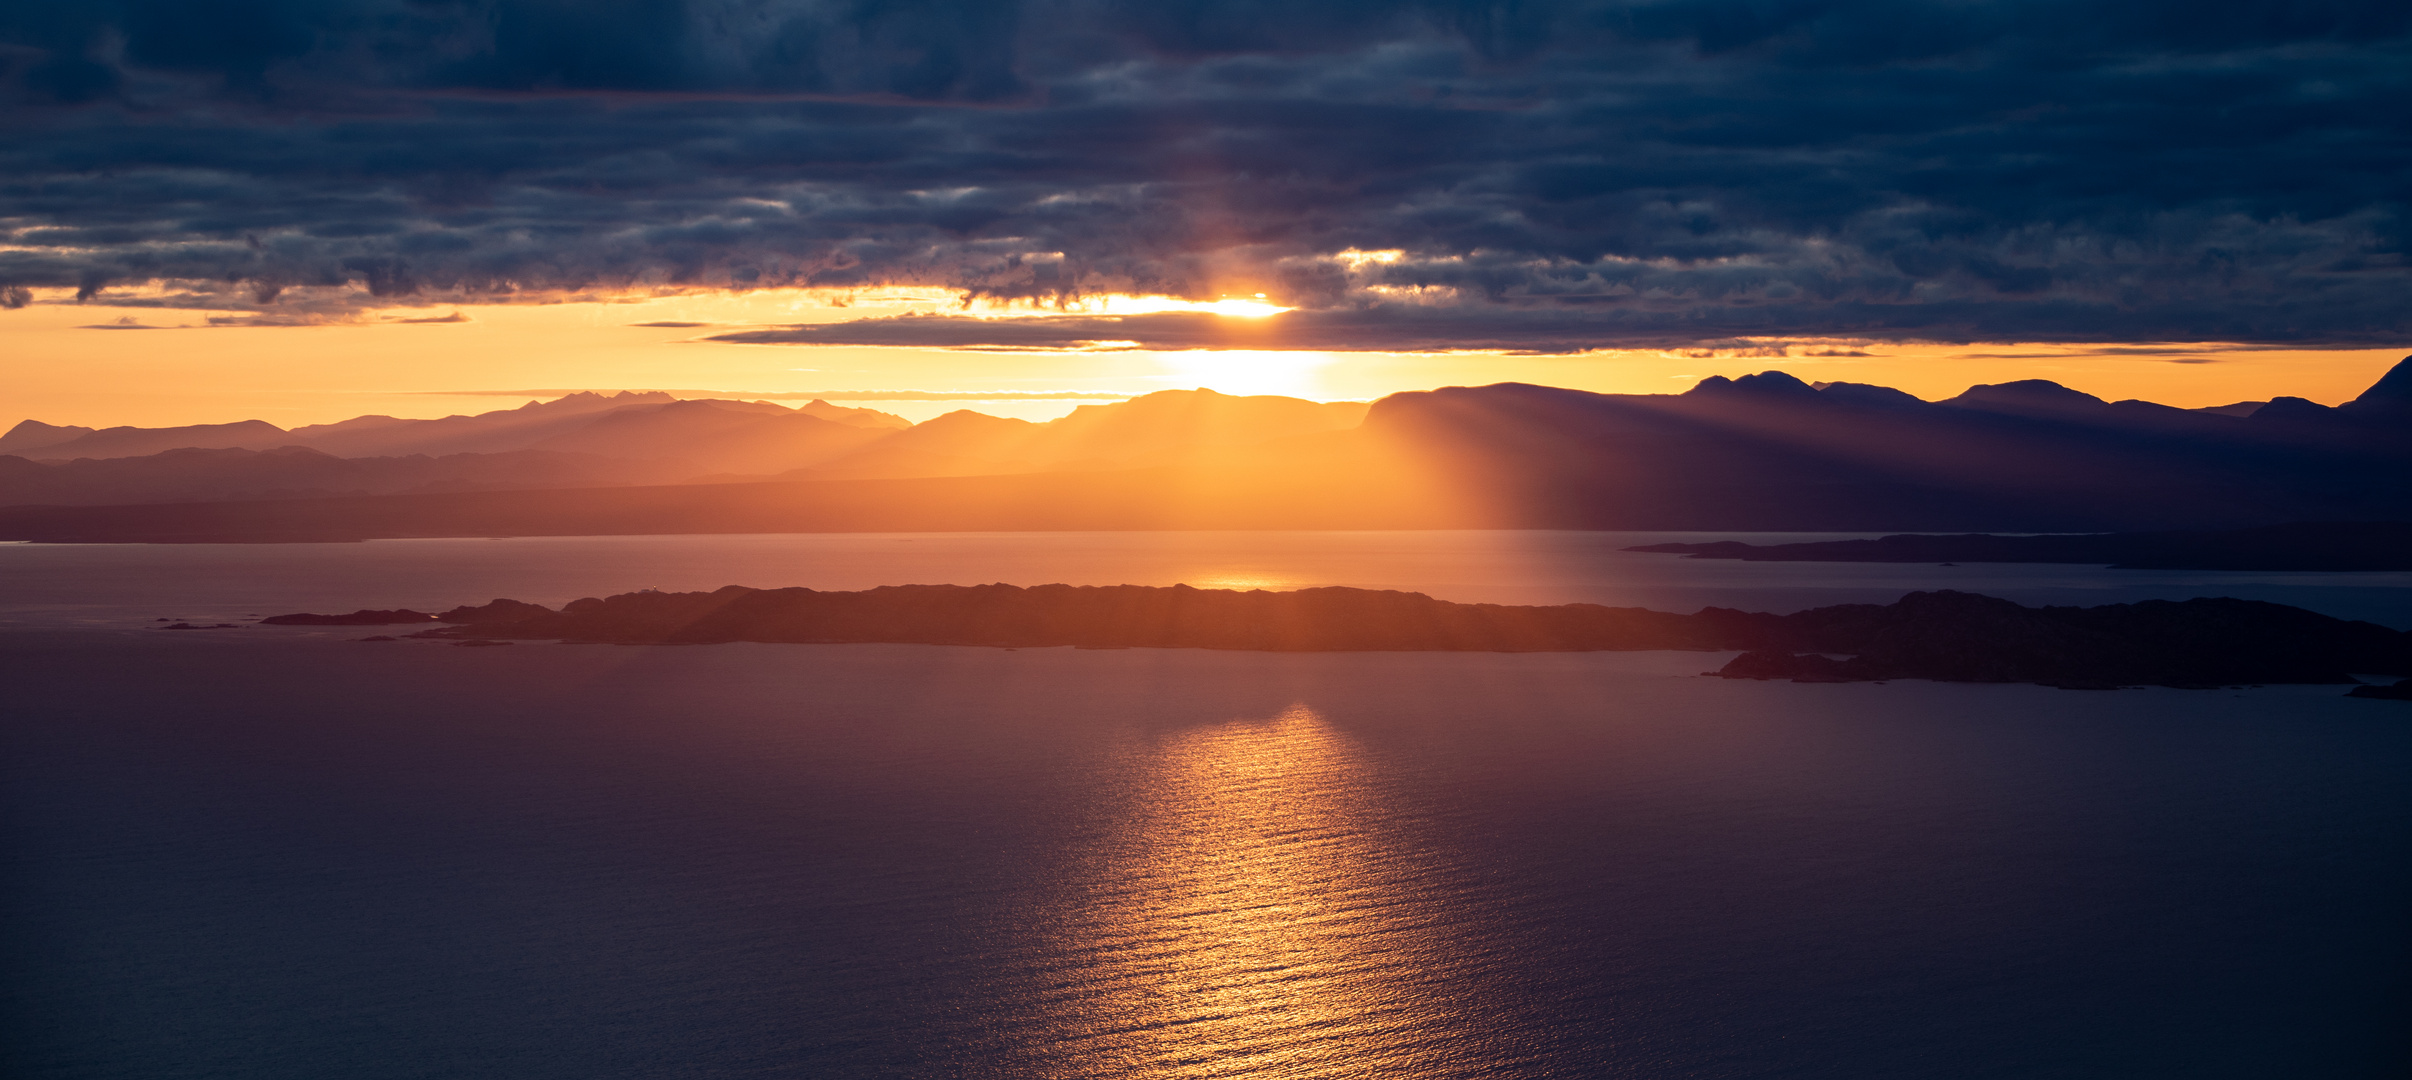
(2347, 545)
(363, 617)
(1950, 636)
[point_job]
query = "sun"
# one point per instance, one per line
(1245, 373)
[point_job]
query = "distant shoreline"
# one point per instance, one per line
(1947, 636)
(2304, 546)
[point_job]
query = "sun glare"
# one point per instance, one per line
(1243, 372)
(1237, 307)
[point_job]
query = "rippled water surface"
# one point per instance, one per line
(283, 855)
(309, 858)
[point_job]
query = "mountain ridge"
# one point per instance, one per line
(1758, 452)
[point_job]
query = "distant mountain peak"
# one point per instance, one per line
(1765, 384)
(2286, 409)
(869, 418)
(2029, 397)
(593, 400)
(116, 442)
(34, 434)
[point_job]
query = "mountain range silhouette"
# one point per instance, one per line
(1760, 452)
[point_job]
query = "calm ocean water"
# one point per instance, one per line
(273, 855)
(128, 585)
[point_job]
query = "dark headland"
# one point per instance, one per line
(1950, 636)
(2331, 546)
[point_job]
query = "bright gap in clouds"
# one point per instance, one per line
(1237, 307)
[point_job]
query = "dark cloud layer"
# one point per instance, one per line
(1549, 175)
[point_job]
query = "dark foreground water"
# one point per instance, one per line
(239, 857)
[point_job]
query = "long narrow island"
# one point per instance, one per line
(2315, 546)
(1951, 636)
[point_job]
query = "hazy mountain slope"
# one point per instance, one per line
(1163, 428)
(717, 436)
(1178, 420)
(191, 474)
(484, 433)
(1763, 452)
(959, 443)
(120, 442)
(33, 434)
(870, 418)
(2390, 398)
(1768, 452)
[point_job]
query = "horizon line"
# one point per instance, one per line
(807, 395)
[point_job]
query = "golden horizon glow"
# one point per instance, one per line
(1244, 373)
(404, 359)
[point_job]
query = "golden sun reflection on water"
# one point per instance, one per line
(1258, 922)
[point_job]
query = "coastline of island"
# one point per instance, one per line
(1941, 635)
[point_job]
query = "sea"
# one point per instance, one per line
(285, 853)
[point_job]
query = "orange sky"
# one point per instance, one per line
(61, 371)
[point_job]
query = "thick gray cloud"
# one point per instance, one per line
(1546, 176)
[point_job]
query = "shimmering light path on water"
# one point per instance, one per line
(313, 858)
(1256, 917)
